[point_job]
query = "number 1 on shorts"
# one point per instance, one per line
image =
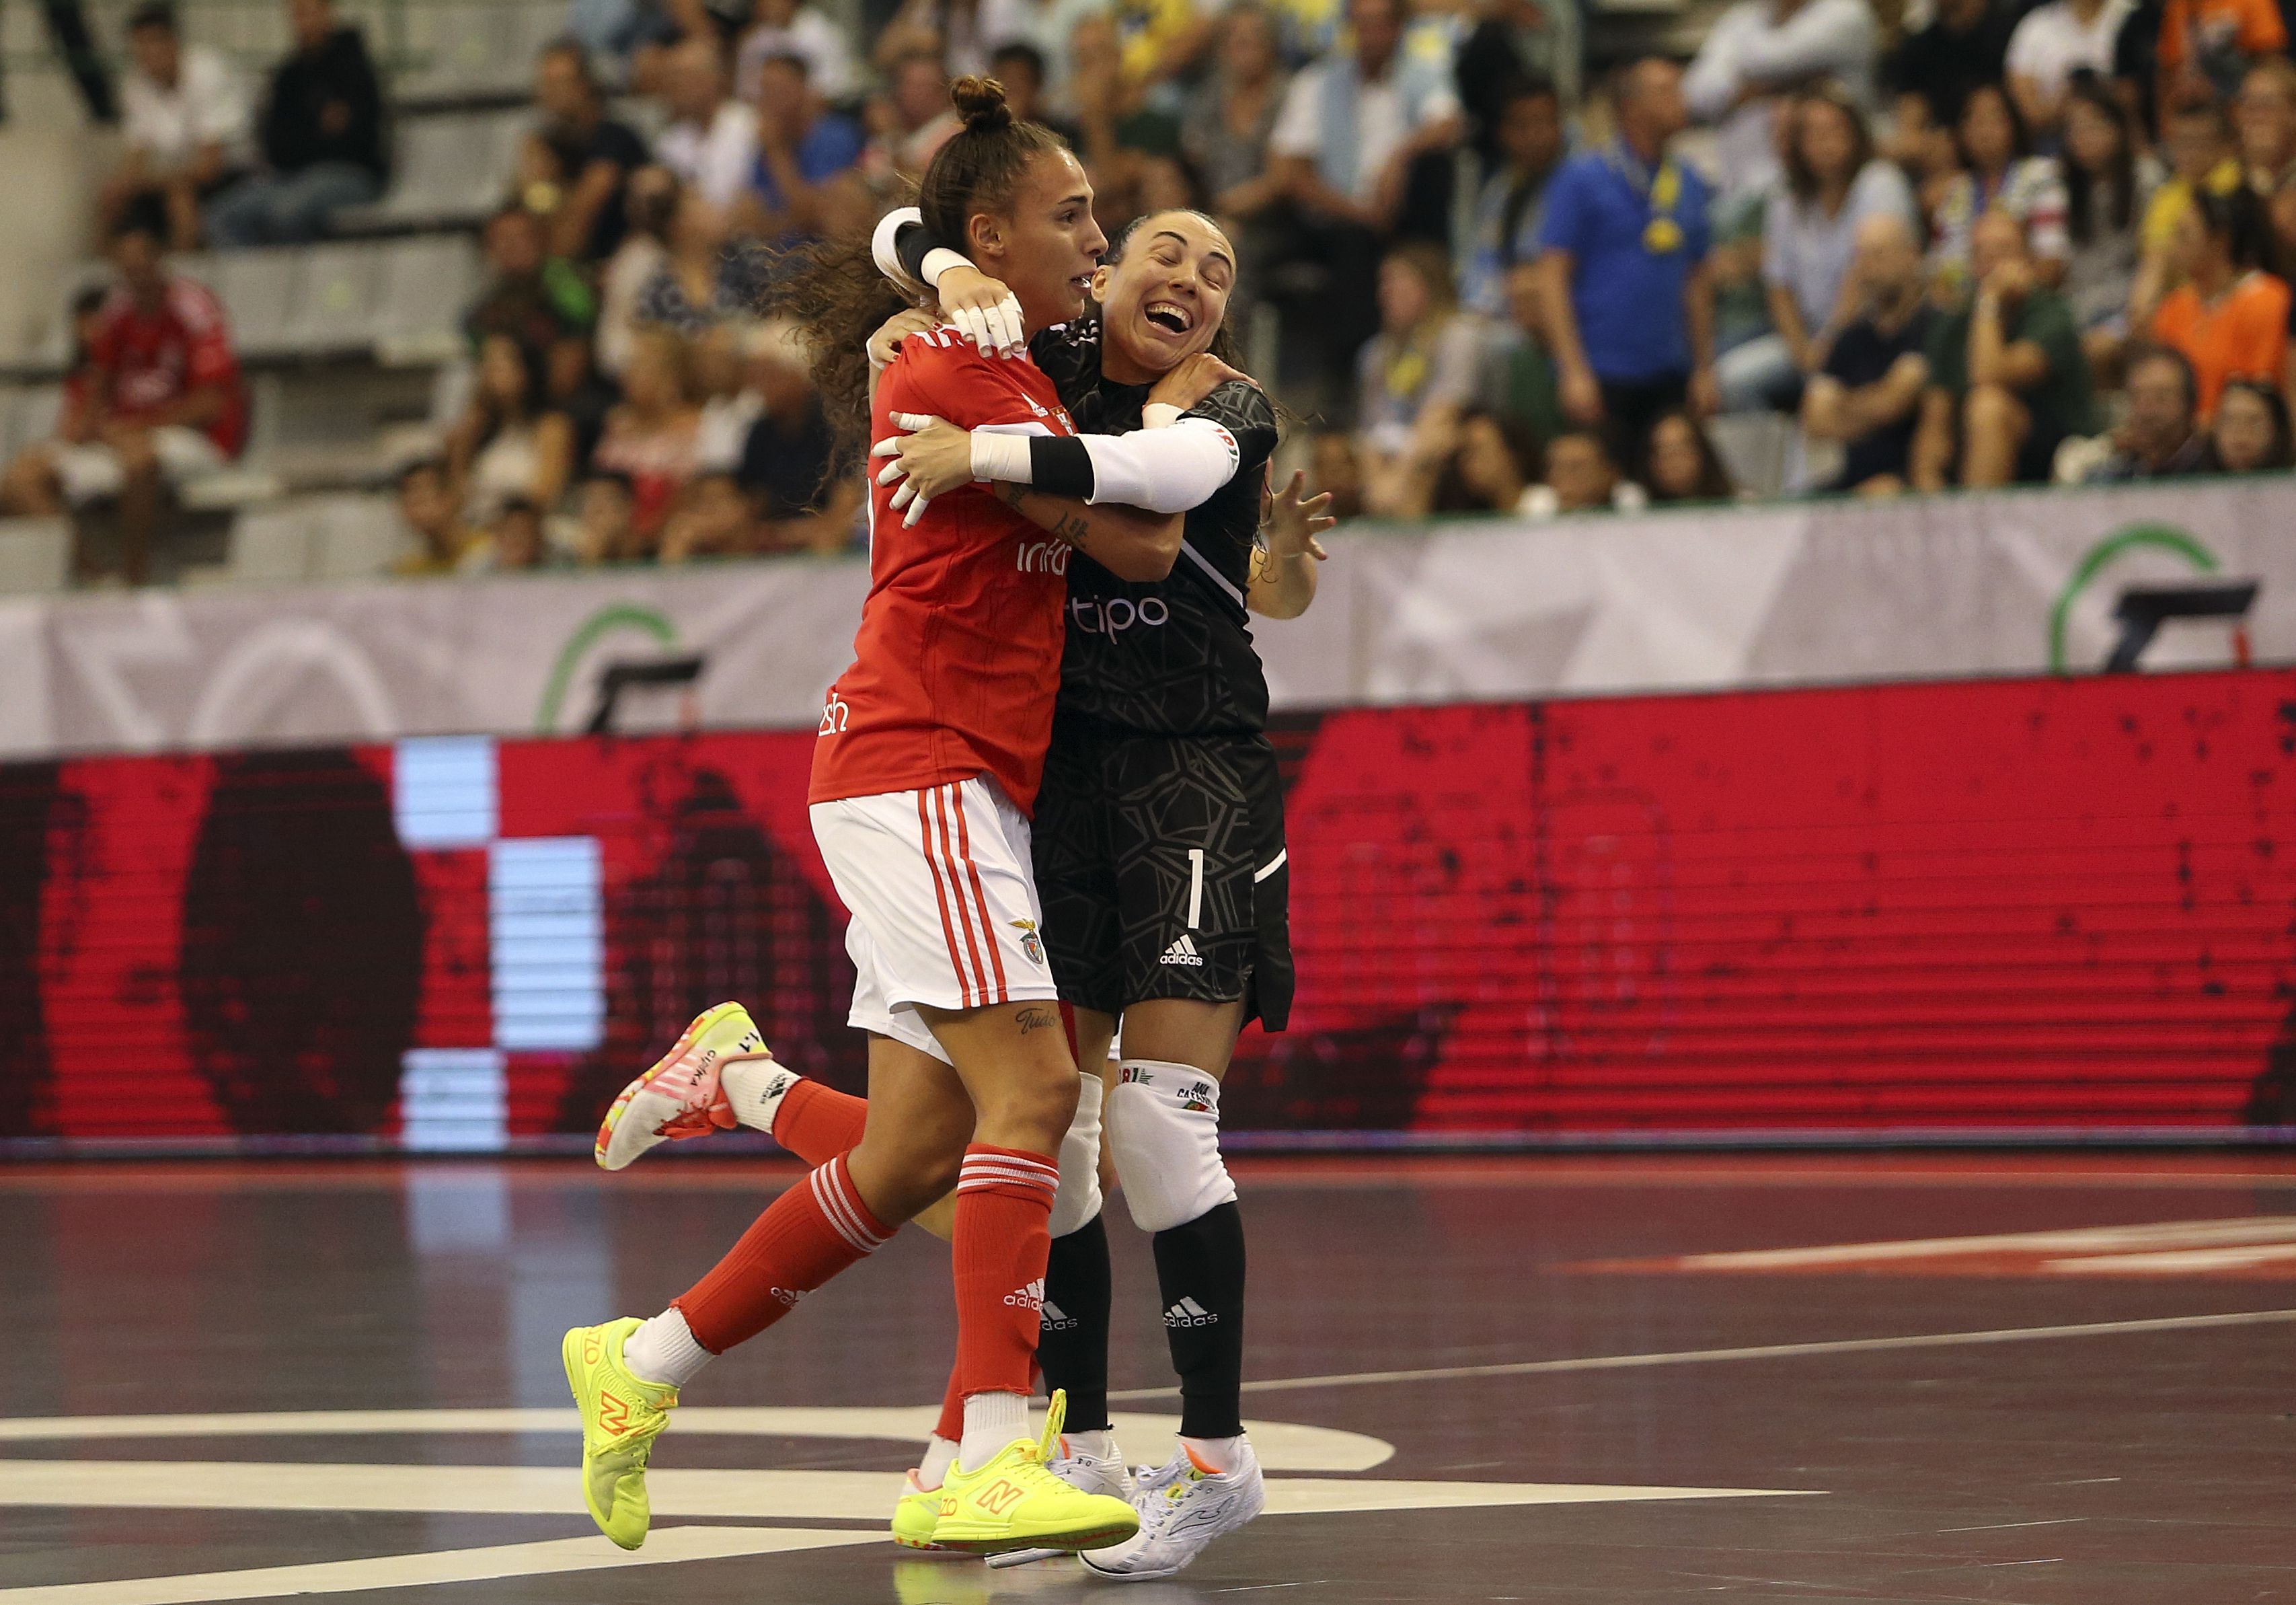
(1195, 885)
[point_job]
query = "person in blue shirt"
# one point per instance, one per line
(802, 149)
(1627, 302)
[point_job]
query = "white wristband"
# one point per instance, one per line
(1002, 457)
(1158, 414)
(940, 260)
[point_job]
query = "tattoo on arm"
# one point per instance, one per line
(1070, 527)
(1033, 1018)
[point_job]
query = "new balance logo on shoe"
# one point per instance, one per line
(1182, 951)
(1057, 1320)
(1030, 1297)
(1188, 1313)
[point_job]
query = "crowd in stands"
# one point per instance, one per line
(2006, 242)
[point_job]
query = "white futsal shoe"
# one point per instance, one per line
(684, 1095)
(1182, 1509)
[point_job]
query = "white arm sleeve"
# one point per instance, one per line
(888, 256)
(1162, 469)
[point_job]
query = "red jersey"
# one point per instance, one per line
(958, 658)
(149, 361)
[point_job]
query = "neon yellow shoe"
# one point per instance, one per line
(682, 1095)
(621, 1417)
(1015, 1502)
(915, 1516)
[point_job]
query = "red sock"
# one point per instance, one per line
(809, 1234)
(952, 1409)
(1004, 1237)
(817, 1122)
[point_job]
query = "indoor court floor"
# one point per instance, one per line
(2058, 1380)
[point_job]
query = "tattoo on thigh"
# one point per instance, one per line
(1037, 1019)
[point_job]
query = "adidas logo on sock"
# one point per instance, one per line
(1182, 951)
(1188, 1313)
(1030, 1297)
(1057, 1320)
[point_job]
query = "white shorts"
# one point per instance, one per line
(91, 472)
(944, 901)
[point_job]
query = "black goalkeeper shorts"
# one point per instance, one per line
(1160, 863)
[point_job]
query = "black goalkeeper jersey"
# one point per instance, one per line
(1172, 656)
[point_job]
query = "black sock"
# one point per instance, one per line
(1199, 1269)
(1072, 1343)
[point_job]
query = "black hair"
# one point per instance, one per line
(145, 214)
(1453, 494)
(435, 466)
(1714, 481)
(2143, 353)
(154, 14)
(574, 50)
(2282, 453)
(1224, 345)
(791, 60)
(2080, 204)
(1024, 52)
(616, 477)
(2235, 216)
(2021, 137)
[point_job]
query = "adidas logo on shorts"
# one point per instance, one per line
(1057, 1320)
(1030, 1297)
(1182, 951)
(1188, 1313)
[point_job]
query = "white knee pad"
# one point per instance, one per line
(1078, 1197)
(1163, 1128)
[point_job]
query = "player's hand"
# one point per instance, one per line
(984, 310)
(1292, 523)
(1196, 378)
(894, 330)
(933, 458)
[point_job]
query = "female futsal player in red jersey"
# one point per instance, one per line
(931, 747)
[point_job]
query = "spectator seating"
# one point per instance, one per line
(448, 172)
(317, 538)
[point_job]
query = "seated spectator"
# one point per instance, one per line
(157, 402)
(2203, 159)
(1582, 477)
(322, 133)
(712, 519)
(518, 542)
(1758, 52)
(2229, 317)
(1351, 128)
(1833, 184)
(711, 142)
(786, 28)
(1680, 463)
(188, 126)
(1965, 44)
(1334, 468)
(433, 515)
(652, 202)
(2007, 380)
(2266, 117)
(535, 298)
(2161, 436)
(2212, 44)
(2054, 42)
(1517, 377)
(1020, 67)
(576, 390)
(2251, 434)
(1869, 391)
(2002, 174)
(509, 444)
(2108, 185)
(1626, 297)
(706, 279)
(603, 533)
(910, 121)
(1233, 117)
(1424, 356)
(1530, 141)
(787, 460)
(803, 148)
(574, 169)
(651, 436)
(1490, 465)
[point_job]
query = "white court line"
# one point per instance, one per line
(593, 1554)
(2275, 1230)
(1768, 1351)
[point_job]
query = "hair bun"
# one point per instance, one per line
(980, 102)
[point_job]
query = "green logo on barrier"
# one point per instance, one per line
(605, 621)
(2166, 537)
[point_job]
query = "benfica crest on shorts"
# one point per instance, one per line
(1031, 943)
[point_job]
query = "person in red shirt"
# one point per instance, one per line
(158, 401)
(931, 752)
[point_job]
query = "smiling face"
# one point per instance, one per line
(1164, 300)
(1046, 246)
